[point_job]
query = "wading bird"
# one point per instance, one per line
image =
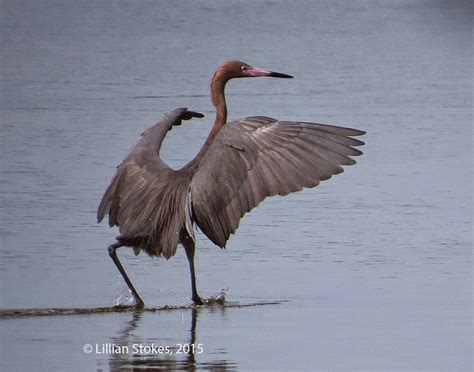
(239, 165)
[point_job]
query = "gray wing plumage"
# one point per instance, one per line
(146, 198)
(257, 157)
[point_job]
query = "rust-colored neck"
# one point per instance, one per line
(218, 83)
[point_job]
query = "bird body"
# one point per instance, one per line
(240, 164)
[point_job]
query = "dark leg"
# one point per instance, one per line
(190, 254)
(112, 248)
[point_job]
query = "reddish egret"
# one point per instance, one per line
(239, 165)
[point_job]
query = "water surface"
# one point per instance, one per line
(373, 268)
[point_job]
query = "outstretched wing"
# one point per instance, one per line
(134, 194)
(257, 157)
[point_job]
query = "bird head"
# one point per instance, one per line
(238, 69)
(231, 70)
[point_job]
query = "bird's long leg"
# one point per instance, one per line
(189, 247)
(113, 254)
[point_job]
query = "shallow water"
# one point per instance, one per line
(373, 268)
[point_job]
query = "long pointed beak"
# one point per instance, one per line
(254, 71)
(280, 75)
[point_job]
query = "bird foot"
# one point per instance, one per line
(218, 298)
(198, 301)
(139, 304)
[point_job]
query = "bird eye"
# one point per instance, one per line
(244, 68)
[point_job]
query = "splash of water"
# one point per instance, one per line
(124, 297)
(218, 298)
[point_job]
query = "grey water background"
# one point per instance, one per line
(373, 268)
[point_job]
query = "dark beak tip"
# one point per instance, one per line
(280, 75)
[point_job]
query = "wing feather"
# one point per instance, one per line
(146, 199)
(257, 157)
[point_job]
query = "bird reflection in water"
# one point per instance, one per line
(184, 360)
